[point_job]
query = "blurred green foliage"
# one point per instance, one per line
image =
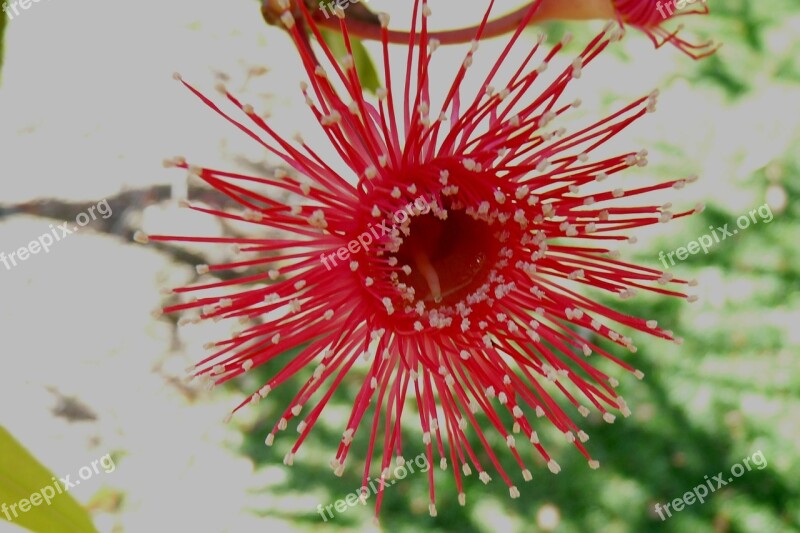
(365, 68)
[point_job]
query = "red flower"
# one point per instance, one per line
(649, 15)
(450, 256)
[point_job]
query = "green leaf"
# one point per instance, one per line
(21, 475)
(364, 65)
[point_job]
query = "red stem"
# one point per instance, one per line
(549, 10)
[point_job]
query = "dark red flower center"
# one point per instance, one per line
(449, 258)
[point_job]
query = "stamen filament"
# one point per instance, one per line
(429, 273)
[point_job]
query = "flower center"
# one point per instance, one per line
(449, 258)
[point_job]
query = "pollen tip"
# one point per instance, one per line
(288, 19)
(174, 162)
(384, 19)
(141, 237)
